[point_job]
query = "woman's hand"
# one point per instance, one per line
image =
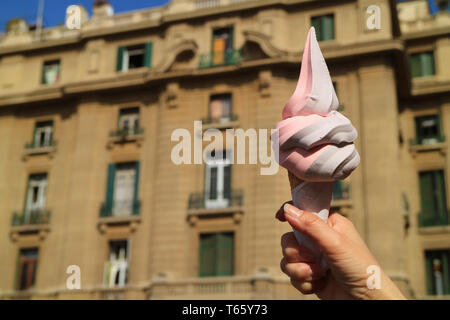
(344, 251)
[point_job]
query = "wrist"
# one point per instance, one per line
(387, 291)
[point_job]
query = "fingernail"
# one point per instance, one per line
(292, 211)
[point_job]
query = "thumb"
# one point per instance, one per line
(319, 231)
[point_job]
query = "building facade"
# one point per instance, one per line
(89, 122)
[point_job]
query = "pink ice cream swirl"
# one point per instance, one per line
(315, 141)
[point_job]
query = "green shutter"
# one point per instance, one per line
(110, 186)
(120, 58)
(429, 272)
(17, 276)
(148, 54)
(414, 66)
(316, 23)
(441, 201)
(43, 73)
(327, 27)
(426, 196)
(227, 182)
(136, 189)
(446, 271)
(225, 254)
(427, 63)
(207, 255)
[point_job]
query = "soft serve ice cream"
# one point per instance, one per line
(315, 141)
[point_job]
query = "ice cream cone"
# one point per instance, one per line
(293, 180)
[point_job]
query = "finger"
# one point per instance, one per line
(319, 231)
(309, 287)
(293, 252)
(302, 271)
(280, 213)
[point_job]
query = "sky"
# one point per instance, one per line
(55, 10)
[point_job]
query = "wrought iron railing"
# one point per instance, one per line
(31, 217)
(120, 208)
(233, 198)
(427, 140)
(429, 219)
(211, 120)
(38, 145)
(126, 132)
(215, 59)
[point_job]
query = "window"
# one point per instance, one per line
(122, 190)
(216, 256)
(222, 46)
(116, 268)
(428, 129)
(437, 271)
(220, 108)
(27, 266)
(129, 120)
(133, 57)
(36, 193)
(340, 190)
(43, 134)
(433, 198)
(324, 26)
(218, 179)
(443, 5)
(421, 64)
(50, 72)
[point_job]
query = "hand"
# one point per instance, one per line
(344, 251)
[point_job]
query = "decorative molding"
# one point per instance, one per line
(265, 80)
(173, 51)
(265, 43)
(172, 90)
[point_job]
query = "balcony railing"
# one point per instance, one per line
(124, 132)
(234, 198)
(210, 120)
(36, 145)
(343, 194)
(120, 209)
(430, 219)
(427, 141)
(30, 218)
(215, 59)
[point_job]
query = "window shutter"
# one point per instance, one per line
(227, 182)
(110, 186)
(120, 58)
(43, 74)
(225, 254)
(414, 66)
(446, 271)
(316, 23)
(136, 189)
(426, 195)
(327, 27)
(427, 63)
(441, 201)
(212, 183)
(207, 255)
(429, 272)
(148, 54)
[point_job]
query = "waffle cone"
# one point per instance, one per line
(293, 180)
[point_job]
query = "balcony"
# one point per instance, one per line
(433, 219)
(121, 135)
(34, 148)
(120, 209)
(232, 203)
(36, 221)
(31, 217)
(229, 57)
(220, 123)
(427, 144)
